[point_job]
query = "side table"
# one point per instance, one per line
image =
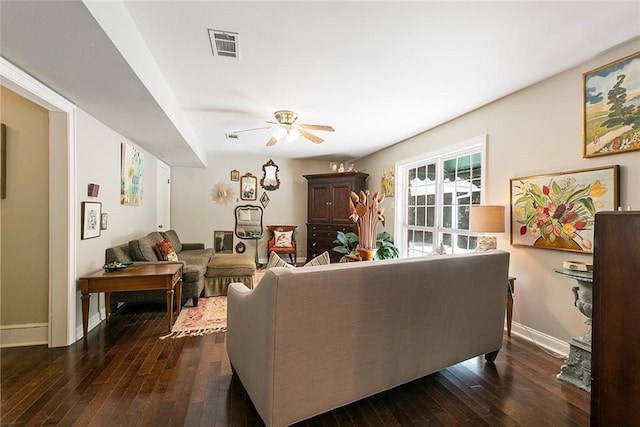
(137, 277)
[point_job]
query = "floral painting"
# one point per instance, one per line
(557, 211)
(131, 176)
(612, 108)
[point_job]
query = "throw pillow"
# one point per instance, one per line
(276, 261)
(166, 250)
(172, 237)
(283, 239)
(322, 259)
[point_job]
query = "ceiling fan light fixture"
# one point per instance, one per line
(279, 133)
(293, 135)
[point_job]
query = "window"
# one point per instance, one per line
(434, 196)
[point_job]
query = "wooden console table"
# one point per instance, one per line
(137, 277)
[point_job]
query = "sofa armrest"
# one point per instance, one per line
(191, 246)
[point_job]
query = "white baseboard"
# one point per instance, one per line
(540, 339)
(24, 335)
(93, 322)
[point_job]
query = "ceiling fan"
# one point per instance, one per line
(286, 127)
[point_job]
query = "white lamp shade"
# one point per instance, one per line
(486, 219)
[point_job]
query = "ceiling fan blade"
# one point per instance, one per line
(272, 141)
(249, 130)
(311, 136)
(318, 127)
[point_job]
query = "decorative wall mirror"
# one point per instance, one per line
(248, 222)
(248, 187)
(270, 180)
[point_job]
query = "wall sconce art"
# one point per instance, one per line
(222, 193)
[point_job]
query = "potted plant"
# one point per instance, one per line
(347, 243)
(367, 214)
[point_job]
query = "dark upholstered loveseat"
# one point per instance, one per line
(194, 256)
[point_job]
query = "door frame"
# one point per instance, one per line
(63, 214)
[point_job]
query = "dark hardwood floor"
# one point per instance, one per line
(128, 376)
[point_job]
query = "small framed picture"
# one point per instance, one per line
(235, 175)
(91, 217)
(248, 187)
(103, 221)
(223, 242)
(333, 167)
(264, 200)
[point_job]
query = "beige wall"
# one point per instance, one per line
(537, 130)
(24, 286)
(98, 160)
(196, 216)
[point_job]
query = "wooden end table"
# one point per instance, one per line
(137, 277)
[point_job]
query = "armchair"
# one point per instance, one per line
(282, 241)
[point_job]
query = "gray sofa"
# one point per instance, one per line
(194, 256)
(307, 340)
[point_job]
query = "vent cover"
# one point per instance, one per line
(224, 43)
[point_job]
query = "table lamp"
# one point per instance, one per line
(486, 219)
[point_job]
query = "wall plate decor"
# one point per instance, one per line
(235, 175)
(264, 200)
(222, 193)
(223, 242)
(270, 180)
(248, 187)
(240, 248)
(557, 211)
(611, 116)
(91, 218)
(132, 176)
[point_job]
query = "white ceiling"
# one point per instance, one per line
(378, 72)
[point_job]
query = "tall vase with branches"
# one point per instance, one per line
(367, 214)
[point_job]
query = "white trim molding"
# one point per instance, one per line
(24, 335)
(63, 216)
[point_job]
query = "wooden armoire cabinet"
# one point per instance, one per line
(328, 209)
(615, 360)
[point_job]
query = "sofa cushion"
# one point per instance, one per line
(322, 259)
(166, 250)
(196, 256)
(172, 236)
(143, 249)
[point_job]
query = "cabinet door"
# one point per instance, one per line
(319, 203)
(341, 192)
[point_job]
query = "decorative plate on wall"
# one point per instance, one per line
(240, 248)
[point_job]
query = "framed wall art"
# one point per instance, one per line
(611, 112)
(104, 220)
(235, 175)
(223, 242)
(557, 211)
(248, 187)
(131, 176)
(91, 219)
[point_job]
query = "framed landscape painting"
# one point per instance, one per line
(557, 211)
(611, 113)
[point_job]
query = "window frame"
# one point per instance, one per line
(401, 227)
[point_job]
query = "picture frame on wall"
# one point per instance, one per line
(223, 242)
(104, 220)
(557, 210)
(91, 219)
(248, 187)
(235, 175)
(611, 116)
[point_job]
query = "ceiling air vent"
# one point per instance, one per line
(224, 43)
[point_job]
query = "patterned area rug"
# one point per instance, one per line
(209, 317)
